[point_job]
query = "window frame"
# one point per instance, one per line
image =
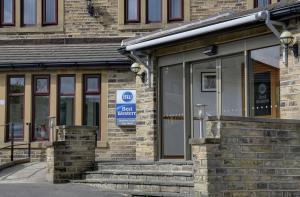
(147, 13)
(22, 15)
(44, 22)
(138, 20)
(13, 14)
(256, 3)
(170, 18)
(9, 94)
(91, 93)
(36, 94)
(59, 96)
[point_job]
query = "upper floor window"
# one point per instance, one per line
(49, 12)
(261, 3)
(154, 11)
(28, 8)
(7, 12)
(132, 11)
(175, 8)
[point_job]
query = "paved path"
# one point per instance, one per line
(29, 180)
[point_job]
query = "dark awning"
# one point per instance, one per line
(62, 55)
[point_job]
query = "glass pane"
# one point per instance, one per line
(203, 93)
(172, 111)
(16, 85)
(154, 10)
(262, 3)
(92, 103)
(264, 82)
(41, 115)
(8, 11)
(175, 9)
(50, 11)
(66, 110)
(29, 12)
(92, 84)
(67, 85)
(233, 85)
(42, 85)
(16, 115)
(132, 10)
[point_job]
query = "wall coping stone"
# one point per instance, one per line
(259, 120)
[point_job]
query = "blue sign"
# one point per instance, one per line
(126, 107)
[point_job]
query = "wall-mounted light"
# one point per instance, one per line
(211, 50)
(139, 70)
(290, 43)
(90, 7)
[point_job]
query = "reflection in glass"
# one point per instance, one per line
(16, 85)
(8, 12)
(154, 10)
(172, 112)
(16, 115)
(67, 85)
(29, 12)
(132, 10)
(92, 84)
(41, 117)
(92, 103)
(42, 85)
(50, 11)
(66, 110)
(175, 9)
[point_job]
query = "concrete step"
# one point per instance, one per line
(142, 186)
(170, 166)
(145, 175)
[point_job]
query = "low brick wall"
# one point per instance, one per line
(73, 154)
(249, 157)
(37, 154)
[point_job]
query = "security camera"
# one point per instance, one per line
(135, 67)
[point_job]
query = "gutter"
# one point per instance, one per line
(258, 16)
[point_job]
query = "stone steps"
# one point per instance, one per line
(142, 178)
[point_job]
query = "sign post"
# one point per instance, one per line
(126, 108)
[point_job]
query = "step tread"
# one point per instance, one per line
(134, 162)
(136, 182)
(142, 172)
(154, 194)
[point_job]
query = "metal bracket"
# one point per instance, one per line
(271, 25)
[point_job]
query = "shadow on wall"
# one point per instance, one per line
(103, 16)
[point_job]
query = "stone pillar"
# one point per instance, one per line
(72, 155)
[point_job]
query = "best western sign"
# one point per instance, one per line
(126, 107)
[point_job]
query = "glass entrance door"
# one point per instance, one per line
(172, 135)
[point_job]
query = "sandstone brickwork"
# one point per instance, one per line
(251, 158)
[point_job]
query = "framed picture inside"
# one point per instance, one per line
(208, 82)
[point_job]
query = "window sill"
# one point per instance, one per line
(141, 26)
(35, 29)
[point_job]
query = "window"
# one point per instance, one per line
(132, 11)
(41, 93)
(261, 3)
(7, 12)
(175, 8)
(154, 11)
(66, 101)
(28, 8)
(49, 12)
(15, 111)
(91, 108)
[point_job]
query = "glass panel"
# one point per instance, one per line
(42, 85)
(203, 93)
(233, 85)
(29, 12)
(50, 11)
(8, 12)
(92, 84)
(67, 85)
(262, 3)
(41, 115)
(92, 103)
(16, 85)
(66, 112)
(154, 10)
(175, 9)
(16, 115)
(264, 82)
(172, 112)
(132, 10)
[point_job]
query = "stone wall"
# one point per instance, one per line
(72, 155)
(121, 141)
(37, 154)
(251, 157)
